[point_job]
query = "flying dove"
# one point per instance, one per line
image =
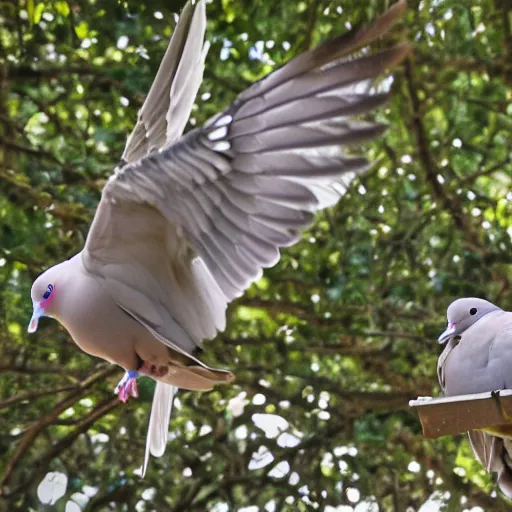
(187, 222)
(478, 359)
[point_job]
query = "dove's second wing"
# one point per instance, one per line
(167, 107)
(183, 231)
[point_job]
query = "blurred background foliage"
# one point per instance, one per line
(332, 343)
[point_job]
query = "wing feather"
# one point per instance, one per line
(219, 202)
(167, 107)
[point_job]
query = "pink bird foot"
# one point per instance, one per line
(127, 386)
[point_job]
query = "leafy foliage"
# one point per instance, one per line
(332, 343)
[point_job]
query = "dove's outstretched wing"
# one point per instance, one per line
(183, 231)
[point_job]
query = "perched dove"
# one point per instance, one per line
(187, 223)
(477, 359)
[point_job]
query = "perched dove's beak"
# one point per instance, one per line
(36, 315)
(446, 334)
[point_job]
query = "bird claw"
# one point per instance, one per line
(127, 386)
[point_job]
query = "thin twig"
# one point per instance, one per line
(22, 397)
(33, 431)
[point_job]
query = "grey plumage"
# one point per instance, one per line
(477, 359)
(159, 422)
(165, 112)
(187, 223)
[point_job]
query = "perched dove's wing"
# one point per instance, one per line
(180, 233)
(156, 439)
(166, 110)
(441, 362)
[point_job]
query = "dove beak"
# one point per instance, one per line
(37, 313)
(450, 330)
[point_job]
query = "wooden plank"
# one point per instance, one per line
(457, 414)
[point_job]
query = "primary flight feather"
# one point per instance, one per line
(187, 223)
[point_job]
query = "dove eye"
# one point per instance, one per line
(473, 311)
(48, 292)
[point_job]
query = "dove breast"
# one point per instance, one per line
(97, 324)
(482, 360)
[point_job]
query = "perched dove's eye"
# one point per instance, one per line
(48, 292)
(473, 311)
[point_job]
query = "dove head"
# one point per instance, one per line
(43, 295)
(463, 313)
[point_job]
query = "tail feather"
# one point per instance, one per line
(493, 453)
(158, 428)
(505, 477)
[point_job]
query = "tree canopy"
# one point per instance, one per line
(331, 344)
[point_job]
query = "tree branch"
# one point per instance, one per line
(33, 431)
(41, 464)
(450, 204)
(22, 397)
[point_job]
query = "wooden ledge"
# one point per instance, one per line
(457, 414)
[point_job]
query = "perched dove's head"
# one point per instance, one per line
(463, 313)
(43, 294)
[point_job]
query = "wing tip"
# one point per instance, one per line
(364, 34)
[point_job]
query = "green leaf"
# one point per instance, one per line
(82, 29)
(14, 328)
(62, 8)
(38, 13)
